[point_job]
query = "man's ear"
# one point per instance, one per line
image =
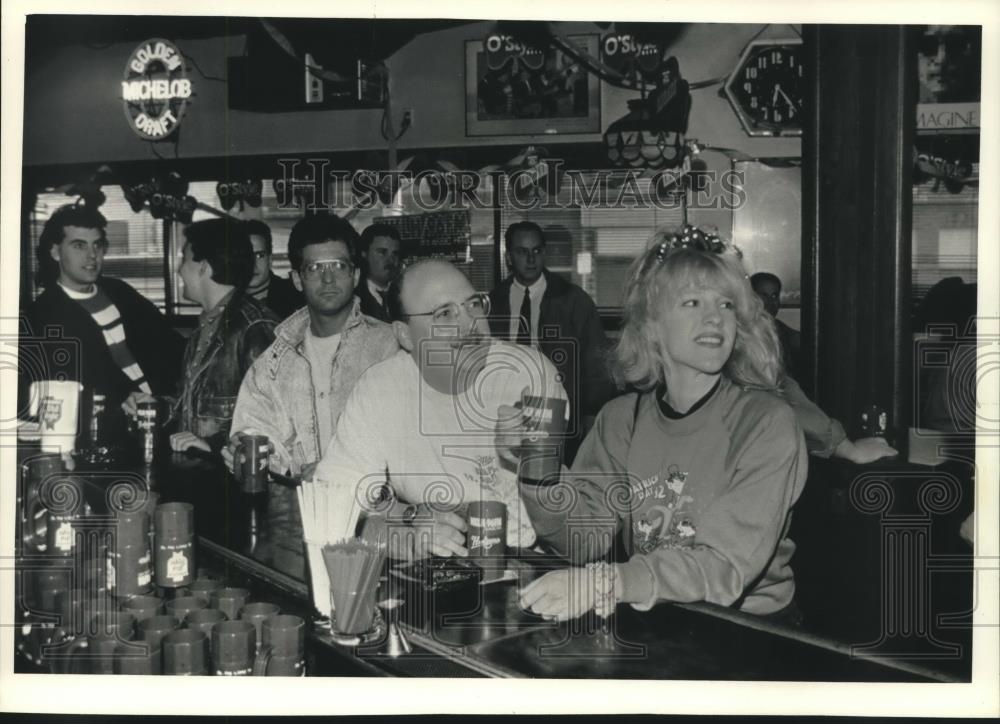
(402, 330)
(54, 252)
(297, 280)
(357, 275)
(506, 257)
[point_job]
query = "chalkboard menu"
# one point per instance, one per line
(439, 235)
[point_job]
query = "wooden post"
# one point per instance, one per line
(856, 221)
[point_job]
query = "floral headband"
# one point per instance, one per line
(691, 237)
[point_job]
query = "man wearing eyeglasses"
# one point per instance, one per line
(123, 344)
(296, 390)
(424, 421)
(277, 294)
(535, 307)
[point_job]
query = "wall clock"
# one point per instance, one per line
(766, 88)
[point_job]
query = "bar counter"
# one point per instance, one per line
(255, 541)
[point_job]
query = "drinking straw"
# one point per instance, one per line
(329, 514)
(353, 566)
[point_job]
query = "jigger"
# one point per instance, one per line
(395, 642)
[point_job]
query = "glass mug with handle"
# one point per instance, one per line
(107, 631)
(233, 647)
(55, 514)
(35, 471)
(282, 651)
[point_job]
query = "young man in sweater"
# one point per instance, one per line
(123, 346)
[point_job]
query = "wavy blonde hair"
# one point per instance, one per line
(665, 267)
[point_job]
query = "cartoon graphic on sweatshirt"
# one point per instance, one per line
(659, 508)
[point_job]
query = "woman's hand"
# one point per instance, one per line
(864, 451)
(560, 595)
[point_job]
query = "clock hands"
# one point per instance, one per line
(789, 101)
(764, 88)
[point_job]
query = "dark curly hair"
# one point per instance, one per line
(317, 230)
(225, 244)
(256, 227)
(86, 217)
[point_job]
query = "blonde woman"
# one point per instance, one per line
(698, 471)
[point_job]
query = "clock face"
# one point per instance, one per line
(765, 90)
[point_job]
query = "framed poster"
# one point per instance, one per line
(513, 90)
(949, 69)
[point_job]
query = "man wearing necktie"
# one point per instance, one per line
(537, 308)
(380, 245)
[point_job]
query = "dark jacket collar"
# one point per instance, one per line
(555, 285)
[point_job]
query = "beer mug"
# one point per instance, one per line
(60, 502)
(34, 472)
(252, 458)
(57, 405)
(542, 445)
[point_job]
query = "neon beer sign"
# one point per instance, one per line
(155, 89)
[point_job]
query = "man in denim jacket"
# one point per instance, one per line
(296, 390)
(232, 331)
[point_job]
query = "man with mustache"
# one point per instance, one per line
(424, 421)
(296, 390)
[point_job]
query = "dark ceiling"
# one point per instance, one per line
(368, 39)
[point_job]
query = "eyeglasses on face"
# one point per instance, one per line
(476, 306)
(316, 269)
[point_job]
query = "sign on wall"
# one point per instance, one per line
(155, 89)
(513, 88)
(437, 235)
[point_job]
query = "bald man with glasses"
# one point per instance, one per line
(296, 390)
(422, 425)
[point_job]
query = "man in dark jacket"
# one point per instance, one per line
(533, 306)
(232, 331)
(92, 329)
(767, 286)
(380, 246)
(277, 294)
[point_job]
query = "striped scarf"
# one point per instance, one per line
(108, 318)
